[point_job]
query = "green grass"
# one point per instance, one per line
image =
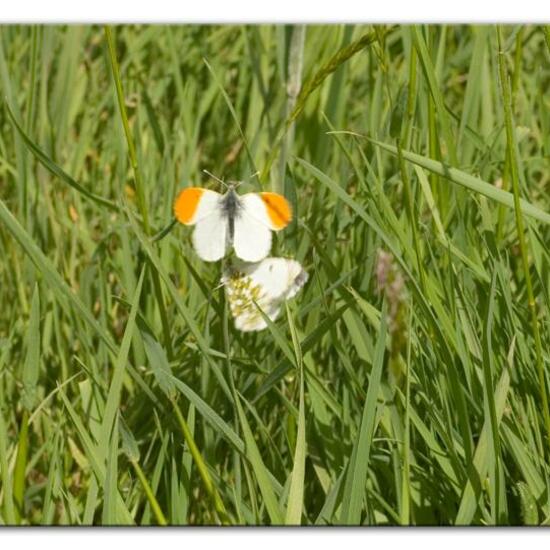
(407, 383)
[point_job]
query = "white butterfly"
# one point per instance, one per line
(244, 222)
(267, 283)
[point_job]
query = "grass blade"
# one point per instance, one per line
(113, 397)
(48, 271)
(466, 180)
(262, 477)
(97, 461)
(109, 516)
(472, 490)
(429, 72)
(523, 245)
(8, 506)
(356, 478)
(29, 396)
(296, 492)
(32, 359)
(20, 467)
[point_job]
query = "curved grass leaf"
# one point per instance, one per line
(459, 177)
(56, 170)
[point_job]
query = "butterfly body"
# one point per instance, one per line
(231, 207)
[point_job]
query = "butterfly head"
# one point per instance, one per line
(229, 186)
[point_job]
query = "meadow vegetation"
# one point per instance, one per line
(405, 384)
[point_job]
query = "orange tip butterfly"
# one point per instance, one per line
(244, 222)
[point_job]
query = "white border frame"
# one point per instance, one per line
(274, 11)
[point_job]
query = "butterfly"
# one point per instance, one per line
(263, 285)
(244, 222)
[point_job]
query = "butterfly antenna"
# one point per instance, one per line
(222, 284)
(237, 183)
(216, 178)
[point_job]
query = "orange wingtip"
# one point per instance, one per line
(278, 209)
(186, 204)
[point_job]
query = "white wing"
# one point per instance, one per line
(203, 209)
(210, 237)
(268, 208)
(209, 205)
(251, 237)
(267, 283)
(195, 203)
(280, 278)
